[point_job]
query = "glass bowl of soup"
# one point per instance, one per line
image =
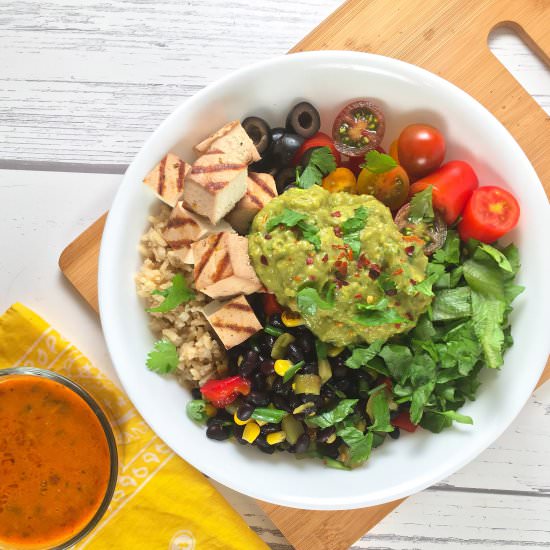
(58, 460)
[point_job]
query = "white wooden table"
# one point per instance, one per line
(82, 84)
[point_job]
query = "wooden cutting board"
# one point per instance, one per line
(449, 38)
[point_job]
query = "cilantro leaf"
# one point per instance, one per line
(288, 217)
(360, 444)
(174, 295)
(450, 252)
(380, 313)
(498, 256)
(163, 359)
(421, 208)
(378, 163)
(308, 301)
(352, 228)
(335, 415)
(310, 233)
(360, 357)
(196, 410)
(425, 286)
(321, 163)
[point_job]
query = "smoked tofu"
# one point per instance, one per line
(167, 178)
(233, 321)
(216, 182)
(184, 228)
(222, 266)
(233, 140)
(260, 189)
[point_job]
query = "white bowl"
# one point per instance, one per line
(329, 80)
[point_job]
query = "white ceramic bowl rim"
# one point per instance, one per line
(110, 275)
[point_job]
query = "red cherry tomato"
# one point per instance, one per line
(403, 422)
(420, 149)
(318, 140)
(222, 392)
(489, 214)
(452, 185)
(271, 306)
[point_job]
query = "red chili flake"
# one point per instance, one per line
(409, 251)
(324, 259)
(363, 261)
(412, 281)
(311, 277)
(350, 254)
(309, 260)
(358, 296)
(373, 274)
(263, 259)
(267, 236)
(409, 316)
(338, 231)
(341, 267)
(336, 214)
(397, 325)
(398, 271)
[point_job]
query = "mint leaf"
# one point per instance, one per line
(421, 208)
(308, 301)
(321, 163)
(163, 359)
(378, 163)
(360, 357)
(352, 228)
(335, 415)
(174, 295)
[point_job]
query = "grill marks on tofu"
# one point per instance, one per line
(222, 266)
(167, 178)
(231, 138)
(184, 228)
(260, 189)
(233, 321)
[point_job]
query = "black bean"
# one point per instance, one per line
(306, 342)
(218, 432)
(309, 368)
(393, 414)
(327, 392)
(323, 435)
(280, 387)
(302, 444)
(275, 321)
(264, 446)
(259, 383)
(258, 399)
(270, 428)
(196, 393)
(344, 385)
(244, 412)
(266, 344)
(281, 403)
(294, 353)
(395, 434)
(249, 363)
(329, 450)
(339, 372)
(267, 367)
(238, 433)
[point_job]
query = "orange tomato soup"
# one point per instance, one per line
(54, 462)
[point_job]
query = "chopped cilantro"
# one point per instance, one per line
(352, 228)
(380, 313)
(163, 359)
(291, 218)
(335, 415)
(321, 163)
(174, 295)
(421, 208)
(309, 300)
(378, 163)
(360, 357)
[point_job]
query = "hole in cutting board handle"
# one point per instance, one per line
(526, 64)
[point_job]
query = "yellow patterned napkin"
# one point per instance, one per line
(160, 501)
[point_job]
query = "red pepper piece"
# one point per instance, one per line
(403, 422)
(271, 306)
(222, 392)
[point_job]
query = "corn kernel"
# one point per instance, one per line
(239, 360)
(281, 366)
(291, 319)
(275, 437)
(304, 408)
(240, 422)
(333, 351)
(251, 432)
(370, 299)
(331, 439)
(210, 410)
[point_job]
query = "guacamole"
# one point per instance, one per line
(340, 261)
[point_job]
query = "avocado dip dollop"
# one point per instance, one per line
(340, 261)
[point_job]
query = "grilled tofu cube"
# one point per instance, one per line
(167, 178)
(215, 184)
(184, 228)
(233, 140)
(260, 189)
(233, 321)
(222, 266)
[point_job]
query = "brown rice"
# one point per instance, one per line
(200, 354)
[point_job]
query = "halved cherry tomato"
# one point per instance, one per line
(489, 214)
(222, 392)
(341, 179)
(391, 188)
(271, 306)
(358, 128)
(403, 422)
(452, 185)
(420, 149)
(318, 140)
(393, 151)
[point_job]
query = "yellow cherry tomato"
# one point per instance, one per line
(341, 179)
(393, 151)
(391, 188)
